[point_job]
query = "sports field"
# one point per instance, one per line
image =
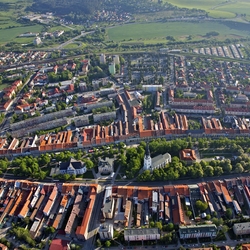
(158, 31)
(216, 8)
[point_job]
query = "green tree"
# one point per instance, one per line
(217, 221)
(107, 243)
(189, 213)
(202, 206)
(89, 163)
(170, 227)
(158, 224)
(224, 228)
(238, 168)
(229, 213)
(208, 217)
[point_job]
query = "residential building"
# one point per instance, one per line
(102, 59)
(241, 228)
(108, 204)
(3, 247)
(37, 41)
(245, 247)
(116, 59)
(151, 88)
(104, 116)
(58, 244)
(198, 231)
(72, 167)
(106, 231)
(106, 166)
(241, 98)
(140, 234)
(188, 155)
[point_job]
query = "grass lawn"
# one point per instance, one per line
(10, 35)
(58, 27)
(71, 46)
(215, 8)
(4, 85)
(157, 31)
(88, 174)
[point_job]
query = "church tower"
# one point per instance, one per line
(147, 159)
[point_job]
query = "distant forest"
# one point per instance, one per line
(65, 7)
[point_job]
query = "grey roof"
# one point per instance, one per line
(108, 205)
(141, 231)
(134, 103)
(72, 163)
(197, 228)
(103, 163)
(159, 159)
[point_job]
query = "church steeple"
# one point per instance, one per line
(147, 153)
(147, 159)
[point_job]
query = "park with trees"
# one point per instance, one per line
(234, 152)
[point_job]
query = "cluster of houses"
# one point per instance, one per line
(68, 207)
(111, 16)
(132, 208)
(229, 96)
(10, 58)
(26, 141)
(48, 205)
(124, 109)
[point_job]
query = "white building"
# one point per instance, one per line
(158, 161)
(108, 204)
(106, 166)
(106, 231)
(116, 59)
(139, 234)
(155, 201)
(72, 167)
(147, 159)
(102, 59)
(37, 41)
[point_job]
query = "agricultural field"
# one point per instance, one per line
(215, 8)
(11, 34)
(158, 31)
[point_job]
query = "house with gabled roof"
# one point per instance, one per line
(72, 167)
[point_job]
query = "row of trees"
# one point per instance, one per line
(23, 234)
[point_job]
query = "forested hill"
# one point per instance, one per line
(64, 7)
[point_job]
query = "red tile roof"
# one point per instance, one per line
(58, 244)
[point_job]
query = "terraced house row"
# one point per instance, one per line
(71, 208)
(49, 205)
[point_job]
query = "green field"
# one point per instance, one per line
(158, 31)
(215, 8)
(72, 46)
(12, 34)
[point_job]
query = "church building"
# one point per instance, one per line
(158, 161)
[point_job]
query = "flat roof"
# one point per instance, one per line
(141, 231)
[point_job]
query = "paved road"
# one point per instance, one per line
(72, 40)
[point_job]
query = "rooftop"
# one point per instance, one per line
(141, 231)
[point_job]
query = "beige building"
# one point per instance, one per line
(241, 228)
(108, 204)
(106, 231)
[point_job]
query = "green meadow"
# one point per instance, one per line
(158, 31)
(215, 8)
(11, 35)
